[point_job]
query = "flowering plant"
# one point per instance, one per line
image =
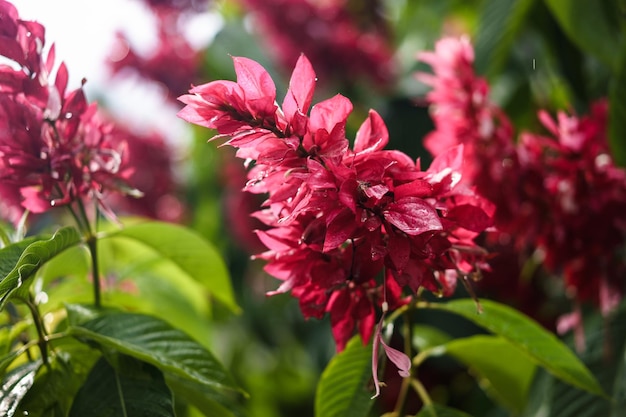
(114, 296)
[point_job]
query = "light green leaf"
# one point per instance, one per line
(9, 255)
(342, 390)
(425, 337)
(617, 110)
(526, 334)
(33, 257)
(192, 254)
(141, 280)
(133, 388)
(504, 371)
(588, 24)
(437, 410)
(155, 341)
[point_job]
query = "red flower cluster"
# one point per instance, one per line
(55, 147)
(344, 42)
(349, 229)
(560, 192)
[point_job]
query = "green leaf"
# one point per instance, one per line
(500, 23)
(33, 257)
(504, 371)
(437, 410)
(526, 334)
(10, 254)
(56, 384)
(142, 281)
(155, 341)
(342, 390)
(188, 251)
(15, 386)
(589, 25)
(133, 388)
(604, 353)
(425, 337)
(204, 400)
(617, 111)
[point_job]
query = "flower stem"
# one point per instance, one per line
(92, 243)
(406, 382)
(421, 391)
(93, 251)
(41, 331)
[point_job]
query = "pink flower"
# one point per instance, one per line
(340, 219)
(54, 146)
(557, 194)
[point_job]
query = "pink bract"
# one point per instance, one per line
(348, 229)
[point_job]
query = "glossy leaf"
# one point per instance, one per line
(33, 257)
(604, 353)
(10, 254)
(437, 410)
(15, 386)
(188, 251)
(155, 341)
(134, 388)
(342, 390)
(588, 25)
(503, 371)
(56, 385)
(526, 334)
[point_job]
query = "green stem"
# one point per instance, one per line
(41, 331)
(421, 391)
(406, 382)
(92, 243)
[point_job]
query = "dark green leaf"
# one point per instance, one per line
(33, 257)
(526, 334)
(342, 390)
(155, 341)
(500, 23)
(133, 388)
(589, 25)
(203, 399)
(604, 353)
(617, 111)
(15, 386)
(56, 385)
(503, 370)
(436, 410)
(188, 251)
